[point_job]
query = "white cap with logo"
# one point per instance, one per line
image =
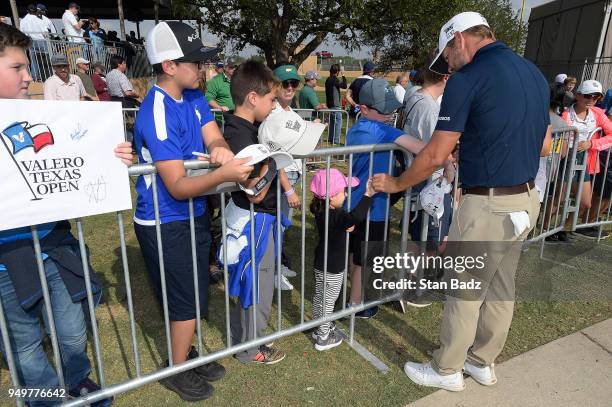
(287, 131)
(458, 23)
(560, 78)
(258, 153)
(176, 41)
(589, 87)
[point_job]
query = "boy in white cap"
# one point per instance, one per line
(175, 121)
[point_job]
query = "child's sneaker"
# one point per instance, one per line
(285, 284)
(268, 356)
(87, 386)
(333, 339)
(315, 333)
(367, 313)
(287, 272)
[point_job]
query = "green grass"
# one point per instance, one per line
(340, 376)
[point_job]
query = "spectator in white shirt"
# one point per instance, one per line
(400, 87)
(63, 85)
(41, 11)
(34, 27)
(73, 28)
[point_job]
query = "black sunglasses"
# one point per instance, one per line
(590, 96)
(293, 82)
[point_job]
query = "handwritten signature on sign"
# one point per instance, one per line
(96, 190)
(78, 133)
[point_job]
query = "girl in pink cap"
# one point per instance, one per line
(339, 222)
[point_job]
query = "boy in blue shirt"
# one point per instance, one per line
(377, 104)
(173, 122)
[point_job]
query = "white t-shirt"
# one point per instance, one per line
(69, 21)
(48, 24)
(584, 127)
(33, 26)
(399, 91)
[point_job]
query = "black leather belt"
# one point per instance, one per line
(497, 191)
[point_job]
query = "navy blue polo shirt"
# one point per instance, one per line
(499, 102)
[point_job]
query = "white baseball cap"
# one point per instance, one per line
(589, 87)
(287, 131)
(80, 60)
(258, 153)
(458, 23)
(560, 78)
(176, 41)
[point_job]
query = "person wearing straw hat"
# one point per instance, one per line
(497, 102)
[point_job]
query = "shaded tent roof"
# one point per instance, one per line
(134, 10)
(565, 30)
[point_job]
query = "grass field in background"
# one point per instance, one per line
(339, 376)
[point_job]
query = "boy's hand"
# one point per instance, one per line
(449, 172)
(235, 170)
(293, 200)
(123, 151)
(351, 229)
(221, 155)
(369, 188)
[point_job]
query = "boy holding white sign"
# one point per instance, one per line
(20, 286)
(175, 124)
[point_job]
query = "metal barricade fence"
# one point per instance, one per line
(392, 219)
(597, 191)
(42, 50)
(335, 134)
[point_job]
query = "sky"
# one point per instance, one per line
(332, 46)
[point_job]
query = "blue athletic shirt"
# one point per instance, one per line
(168, 129)
(371, 132)
(499, 102)
(13, 235)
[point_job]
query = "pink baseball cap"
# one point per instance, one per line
(337, 182)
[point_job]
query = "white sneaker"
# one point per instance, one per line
(425, 375)
(483, 375)
(285, 284)
(287, 272)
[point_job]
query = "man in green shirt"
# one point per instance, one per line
(82, 68)
(218, 88)
(308, 97)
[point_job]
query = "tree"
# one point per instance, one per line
(284, 30)
(415, 26)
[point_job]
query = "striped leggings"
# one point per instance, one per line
(319, 310)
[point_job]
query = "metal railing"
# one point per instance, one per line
(599, 69)
(397, 219)
(41, 51)
(142, 378)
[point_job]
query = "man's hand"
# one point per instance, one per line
(123, 151)
(221, 155)
(224, 108)
(449, 172)
(235, 170)
(584, 145)
(293, 200)
(385, 183)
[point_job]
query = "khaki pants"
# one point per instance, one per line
(477, 329)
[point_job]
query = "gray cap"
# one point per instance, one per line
(57, 60)
(311, 75)
(378, 95)
(231, 62)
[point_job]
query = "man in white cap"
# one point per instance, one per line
(497, 102)
(82, 68)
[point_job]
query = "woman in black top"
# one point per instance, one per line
(339, 222)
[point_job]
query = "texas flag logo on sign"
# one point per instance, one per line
(22, 135)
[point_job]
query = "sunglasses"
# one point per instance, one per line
(294, 83)
(591, 96)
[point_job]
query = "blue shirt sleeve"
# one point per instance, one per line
(389, 134)
(456, 104)
(161, 133)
